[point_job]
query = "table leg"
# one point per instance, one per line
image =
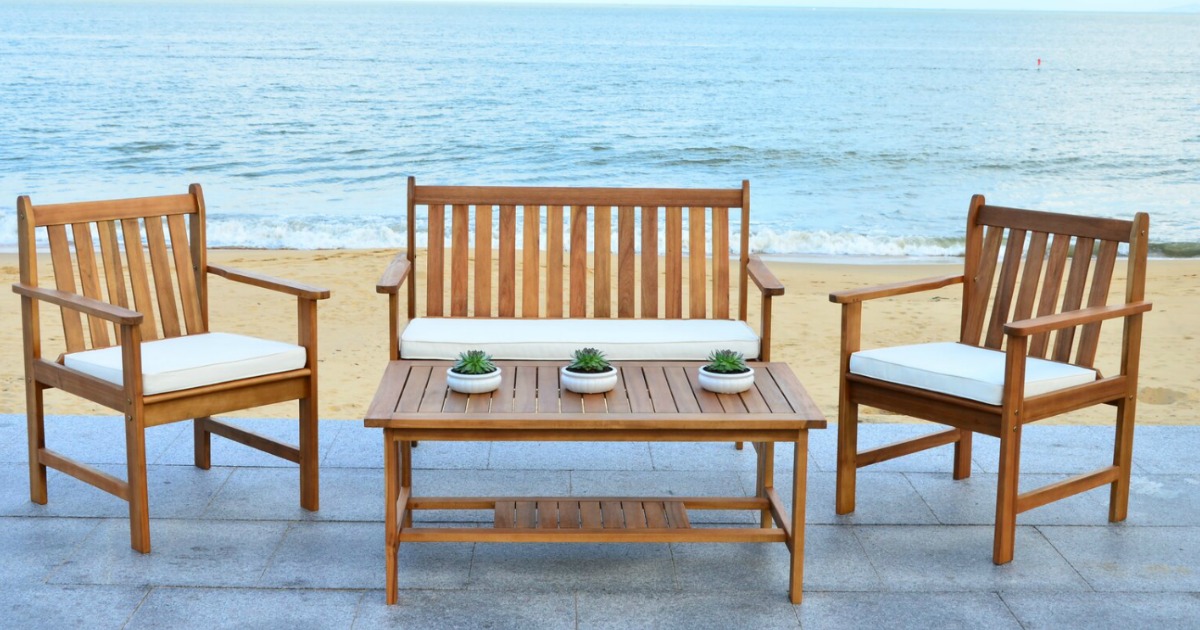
(766, 478)
(406, 476)
(799, 491)
(391, 492)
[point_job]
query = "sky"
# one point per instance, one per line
(1016, 5)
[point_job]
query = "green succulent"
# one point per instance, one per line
(588, 360)
(726, 362)
(474, 362)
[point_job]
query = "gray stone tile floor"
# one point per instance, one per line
(233, 549)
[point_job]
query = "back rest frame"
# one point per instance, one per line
(1051, 263)
(166, 273)
(487, 286)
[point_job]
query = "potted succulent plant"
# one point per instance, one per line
(726, 373)
(473, 373)
(588, 373)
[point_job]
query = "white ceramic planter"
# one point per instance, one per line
(473, 383)
(726, 383)
(588, 382)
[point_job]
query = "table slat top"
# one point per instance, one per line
(648, 395)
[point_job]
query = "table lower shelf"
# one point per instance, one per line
(587, 519)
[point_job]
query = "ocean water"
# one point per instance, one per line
(862, 132)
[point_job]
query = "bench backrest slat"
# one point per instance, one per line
(587, 240)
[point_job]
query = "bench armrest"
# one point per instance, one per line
(395, 274)
(763, 278)
(89, 306)
(268, 282)
(1048, 323)
(897, 288)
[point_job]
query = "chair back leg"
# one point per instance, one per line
(1118, 499)
(201, 444)
(962, 455)
(36, 421)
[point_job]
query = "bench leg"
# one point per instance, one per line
(139, 497)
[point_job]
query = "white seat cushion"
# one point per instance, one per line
(962, 370)
(177, 363)
(556, 339)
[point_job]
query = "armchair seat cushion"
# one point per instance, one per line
(964, 371)
(191, 361)
(556, 339)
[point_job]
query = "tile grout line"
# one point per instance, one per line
(1007, 607)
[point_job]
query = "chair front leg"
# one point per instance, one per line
(309, 470)
(847, 448)
(1011, 418)
(139, 496)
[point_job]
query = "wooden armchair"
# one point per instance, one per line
(997, 379)
(161, 363)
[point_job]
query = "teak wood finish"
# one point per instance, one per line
(652, 402)
(1026, 275)
(114, 291)
(574, 268)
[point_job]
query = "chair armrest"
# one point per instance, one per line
(897, 288)
(1047, 323)
(267, 282)
(763, 278)
(395, 274)
(89, 306)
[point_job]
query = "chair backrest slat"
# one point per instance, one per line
(114, 275)
(720, 263)
(1035, 257)
(1089, 335)
(507, 286)
(1030, 282)
(554, 261)
(602, 249)
(697, 278)
(119, 251)
(185, 272)
(1002, 304)
(649, 262)
(89, 280)
(1081, 261)
(1056, 264)
(980, 286)
(163, 286)
(64, 280)
(626, 257)
(602, 265)
(530, 266)
(136, 259)
(459, 258)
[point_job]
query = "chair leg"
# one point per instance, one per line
(1118, 498)
(847, 455)
(962, 455)
(309, 470)
(36, 420)
(139, 499)
(202, 444)
(1006, 496)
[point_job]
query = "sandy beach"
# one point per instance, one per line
(353, 328)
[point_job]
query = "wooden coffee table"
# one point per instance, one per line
(653, 402)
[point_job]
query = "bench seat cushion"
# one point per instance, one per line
(179, 363)
(556, 339)
(961, 370)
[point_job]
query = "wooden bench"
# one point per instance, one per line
(641, 273)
